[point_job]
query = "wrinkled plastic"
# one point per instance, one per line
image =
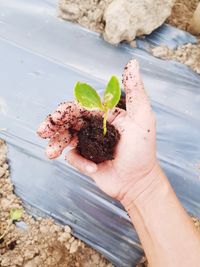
(166, 35)
(41, 58)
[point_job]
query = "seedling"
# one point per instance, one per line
(15, 215)
(90, 99)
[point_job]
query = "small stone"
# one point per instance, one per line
(44, 229)
(95, 258)
(31, 264)
(5, 262)
(133, 44)
(64, 237)
(57, 255)
(29, 254)
(67, 229)
(67, 245)
(18, 260)
(5, 203)
(70, 11)
(73, 247)
(2, 159)
(71, 239)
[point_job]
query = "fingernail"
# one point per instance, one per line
(91, 169)
(51, 153)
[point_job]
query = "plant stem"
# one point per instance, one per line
(7, 228)
(104, 122)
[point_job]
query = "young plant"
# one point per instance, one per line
(15, 215)
(90, 99)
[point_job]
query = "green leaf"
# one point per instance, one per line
(112, 93)
(16, 214)
(87, 96)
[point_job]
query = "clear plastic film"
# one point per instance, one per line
(41, 58)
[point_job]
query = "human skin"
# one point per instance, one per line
(134, 177)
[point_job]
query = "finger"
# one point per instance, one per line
(65, 114)
(57, 144)
(118, 122)
(83, 165)
(74, 141)
(137, 102)
(68, 114)
(47, 128)
(114, 113)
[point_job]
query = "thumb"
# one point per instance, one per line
(80, 163)
(137, 102)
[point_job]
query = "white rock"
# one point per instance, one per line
(126, 19)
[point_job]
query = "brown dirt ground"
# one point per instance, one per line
(43, 243)
(188, 54)
(182, 13)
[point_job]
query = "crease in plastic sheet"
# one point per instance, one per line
(41, 58)
(166, 35)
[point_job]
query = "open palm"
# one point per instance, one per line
(135, 155)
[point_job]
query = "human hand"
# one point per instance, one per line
(135, 155)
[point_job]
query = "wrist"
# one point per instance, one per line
(143, 188)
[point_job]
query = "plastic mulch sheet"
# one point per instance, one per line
(41, 58)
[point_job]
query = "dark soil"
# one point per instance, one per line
(122, 102)
(93, 145)
(12, 245)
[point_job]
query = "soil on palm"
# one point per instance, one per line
(93, 145)
(122, 102)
